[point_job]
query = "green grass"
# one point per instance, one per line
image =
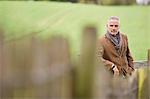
(21, 19)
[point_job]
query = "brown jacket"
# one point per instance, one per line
(107, 53)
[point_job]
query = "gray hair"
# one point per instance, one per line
(114, 18)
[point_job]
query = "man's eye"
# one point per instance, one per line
(116, 25)
(111, 25)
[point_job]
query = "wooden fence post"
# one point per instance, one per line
(85, 70)
(148, 71)
(148, 57)
(1, 65)
(51, 69)
(144, 81)
(18, 62)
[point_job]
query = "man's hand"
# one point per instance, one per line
(116, 71)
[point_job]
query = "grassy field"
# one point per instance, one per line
(43, 19)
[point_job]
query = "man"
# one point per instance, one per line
(113, 49)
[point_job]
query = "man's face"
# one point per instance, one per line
(113, 26)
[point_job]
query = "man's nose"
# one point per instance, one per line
(113, 27)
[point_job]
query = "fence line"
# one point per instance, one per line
(33, 69)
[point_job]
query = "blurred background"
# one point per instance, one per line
(47, 48)
(19, 19)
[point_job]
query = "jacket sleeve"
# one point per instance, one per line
(129, 57)
(99, 57)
